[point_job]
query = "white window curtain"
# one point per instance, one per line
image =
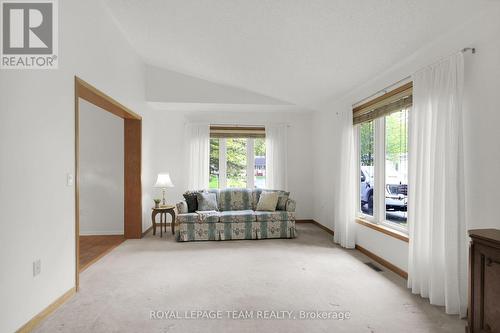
(276, 155)
(198, 150)
(437, 266)
(345, 193)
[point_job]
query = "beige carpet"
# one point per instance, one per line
(309, 273)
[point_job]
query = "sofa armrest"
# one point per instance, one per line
(290, 205)
(182, 207)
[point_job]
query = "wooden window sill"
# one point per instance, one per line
(383, 229)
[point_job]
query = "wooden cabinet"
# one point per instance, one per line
(484, 281)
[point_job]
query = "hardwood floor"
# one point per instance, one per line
(92, 248)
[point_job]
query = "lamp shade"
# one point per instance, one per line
(163, 180)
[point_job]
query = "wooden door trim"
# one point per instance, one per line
(132, 162)
(97, 97)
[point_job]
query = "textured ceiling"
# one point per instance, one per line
(299, 51)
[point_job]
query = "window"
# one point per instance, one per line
(259, 163)
(396, 167)
(382, 136)
(237, 157)
(214, 163)
(366, 162)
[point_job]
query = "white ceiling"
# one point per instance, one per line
(298, 51)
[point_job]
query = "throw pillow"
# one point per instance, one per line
(191, 200)
(182, 207)
(267, 201)
(282, 199)
(207, 201)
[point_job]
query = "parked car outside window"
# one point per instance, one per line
(396, 193)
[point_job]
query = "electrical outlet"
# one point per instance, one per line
(37, 267)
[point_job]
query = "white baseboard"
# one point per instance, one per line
(101, 233)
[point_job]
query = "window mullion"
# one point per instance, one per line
(222, 163)
(379, 170)
(250, 163)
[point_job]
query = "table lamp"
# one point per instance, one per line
(163, 181)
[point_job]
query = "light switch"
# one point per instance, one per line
(37, 267)
(69, 179)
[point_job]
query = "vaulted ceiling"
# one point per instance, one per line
(298, 51)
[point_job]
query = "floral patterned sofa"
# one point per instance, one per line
(236, 218)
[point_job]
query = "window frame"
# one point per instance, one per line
(379, 208)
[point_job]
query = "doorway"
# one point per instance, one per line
(131, 133)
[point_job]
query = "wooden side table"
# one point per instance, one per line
(163, 211)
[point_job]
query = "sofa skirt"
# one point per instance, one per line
(194, 231)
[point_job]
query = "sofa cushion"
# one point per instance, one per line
(207, 201)
(275, 216)
(237, 216)
(267, 201)
(208, 216)
(187, 218)
(235, 199)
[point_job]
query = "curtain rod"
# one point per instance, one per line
(388, 88)
(471, 49)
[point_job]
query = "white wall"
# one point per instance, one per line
(37, 135)
(101, 171)
(482, 116)
(326, 152)
(164, 151)
(165, 85)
